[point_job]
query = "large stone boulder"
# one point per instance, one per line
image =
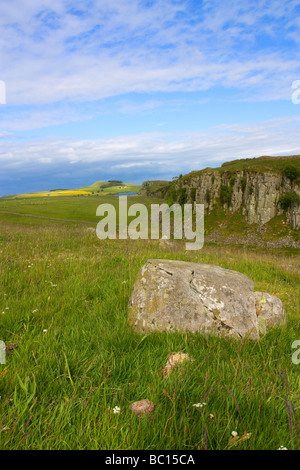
(177, 295)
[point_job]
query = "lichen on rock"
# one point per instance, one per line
(171, 295)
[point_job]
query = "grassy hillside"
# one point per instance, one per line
(73, 356)
(81, 208)
(260, 165)
(220, 225)
(230, 209)
(152, 187)
(110, 187)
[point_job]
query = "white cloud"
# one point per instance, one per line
(52, 54)
(61, 58)
(41, 116)
(5, 134)
(131, 165)
(168, 151)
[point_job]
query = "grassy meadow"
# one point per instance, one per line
(72, 357)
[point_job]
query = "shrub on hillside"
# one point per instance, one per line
(182, 196)
(171, 195)
(193, 194)
(207, 196)
(291, 172)
(289, 199)
(243, 183)
(226, 194)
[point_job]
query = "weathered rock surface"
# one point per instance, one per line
(270, 311)
(255, 193)
(259, 199)
(177, 295)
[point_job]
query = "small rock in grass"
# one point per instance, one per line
(142, 407)
(173, 361)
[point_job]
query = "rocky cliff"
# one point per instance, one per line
(260, 188)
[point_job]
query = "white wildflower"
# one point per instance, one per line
(234, 434)
(116, 410)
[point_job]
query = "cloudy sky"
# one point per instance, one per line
(143, 89)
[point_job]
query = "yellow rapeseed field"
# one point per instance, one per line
(75, 192)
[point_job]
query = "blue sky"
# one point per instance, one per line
(143, 89)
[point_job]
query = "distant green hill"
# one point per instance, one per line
(99, 187)
(112, 186)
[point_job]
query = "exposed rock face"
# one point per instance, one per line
(177, 295)
(256, 193)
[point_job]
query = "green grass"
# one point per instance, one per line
(59, 386)
(234, 226)
(260, 165)
(77, 208)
